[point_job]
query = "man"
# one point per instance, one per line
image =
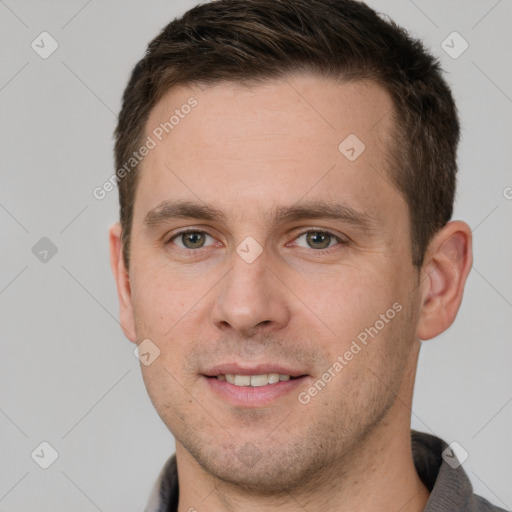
(286, 172)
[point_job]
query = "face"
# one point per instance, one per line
(268, 242)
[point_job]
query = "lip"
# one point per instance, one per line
(251, 397)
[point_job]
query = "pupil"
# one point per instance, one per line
(193, 240)
(316, 238)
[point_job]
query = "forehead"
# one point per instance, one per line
(241, 146)
(311, 106)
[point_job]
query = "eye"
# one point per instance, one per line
(191, 239)
(318, 239)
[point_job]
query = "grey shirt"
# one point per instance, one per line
(449, 486)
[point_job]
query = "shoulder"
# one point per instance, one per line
(164, 493)
(443, 475)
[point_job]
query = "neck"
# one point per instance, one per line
(378, 475)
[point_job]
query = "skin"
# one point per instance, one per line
(247, 150)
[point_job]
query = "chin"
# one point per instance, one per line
(270, 471)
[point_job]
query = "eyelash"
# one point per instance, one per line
(200, 250)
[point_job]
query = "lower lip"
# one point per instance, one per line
(249, 396)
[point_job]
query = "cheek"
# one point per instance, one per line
(347, 300)
(159, 301)
(171, 315)
(166, 392)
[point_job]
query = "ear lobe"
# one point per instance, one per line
(448, 262)
(122, 279)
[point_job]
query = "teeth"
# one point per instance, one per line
(242, 380)
(273, 378)
(259, 380)
(254, 380)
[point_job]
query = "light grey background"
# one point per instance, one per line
(67, 374)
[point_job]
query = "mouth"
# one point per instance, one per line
(252, 387)
(255, 381)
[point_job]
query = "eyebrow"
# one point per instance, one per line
(167, 211)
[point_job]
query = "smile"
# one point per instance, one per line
(254, 380)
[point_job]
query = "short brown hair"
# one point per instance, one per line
(258, 40)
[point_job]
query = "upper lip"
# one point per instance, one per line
(260, 369)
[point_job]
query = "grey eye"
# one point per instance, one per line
(191, 239)
(317, 239)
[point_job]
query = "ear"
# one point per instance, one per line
(448, 261)
(123, 282)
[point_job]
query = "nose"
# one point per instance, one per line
(251, 298)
